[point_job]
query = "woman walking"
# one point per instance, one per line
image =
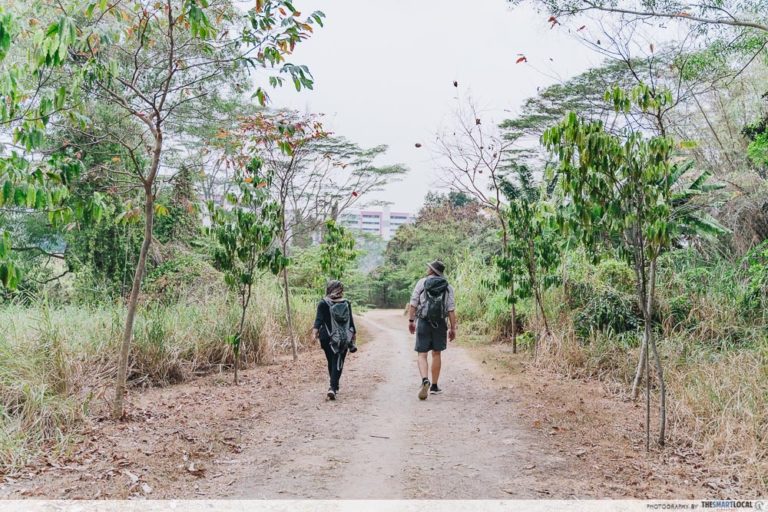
(335, 328)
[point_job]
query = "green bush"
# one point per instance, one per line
(608, 311)
(617, 275)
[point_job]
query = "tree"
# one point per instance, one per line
(32, 178)
(619, 187)
(533, 251)
(152, 62)
(748, 15)
(337, 250)
(247, 235)
(476, 162)
(316, 177)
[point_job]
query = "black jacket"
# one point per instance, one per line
(323, 321)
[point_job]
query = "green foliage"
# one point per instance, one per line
(533, 246)
(246, 234)
(758, 150)
(620, 188)
(441, 231)
(755, 298)
(181, 221)
(337, 251)
(616, 274)
(608, 311)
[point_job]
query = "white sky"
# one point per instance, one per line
(384, 70)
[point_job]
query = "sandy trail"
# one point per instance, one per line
(378, 441)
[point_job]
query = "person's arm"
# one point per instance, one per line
(318, 322)
(412, 318)
(413, 306)
(454, 325)
(352, 322)
(451, 306)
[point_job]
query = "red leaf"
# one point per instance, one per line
(355, 194)
(418, 144)
(521, 59)
(552, 19)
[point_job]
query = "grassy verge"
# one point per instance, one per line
(712, 337)
(57, 363)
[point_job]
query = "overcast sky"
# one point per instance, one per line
(384, 72)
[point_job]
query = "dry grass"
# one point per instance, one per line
(717, 400)
(57, 364)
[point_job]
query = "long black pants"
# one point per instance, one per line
(335, 364)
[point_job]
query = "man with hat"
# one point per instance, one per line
(432, 301)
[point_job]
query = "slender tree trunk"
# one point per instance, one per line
(289, 315)
(644, 348)
(286, 288)
(646, 340)
(505, 252)
(125, 347)
(657, 359)
(540, 303)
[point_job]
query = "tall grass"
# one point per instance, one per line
(57, 363)
(713, 341)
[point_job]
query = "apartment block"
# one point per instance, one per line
(383, 223)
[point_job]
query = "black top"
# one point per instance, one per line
(323, 321)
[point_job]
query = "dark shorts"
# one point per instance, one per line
(431, 338)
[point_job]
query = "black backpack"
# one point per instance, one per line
(341, 321)
(435, 289)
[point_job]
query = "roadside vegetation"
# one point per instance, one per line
(160, 219)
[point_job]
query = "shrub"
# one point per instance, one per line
(608, 311)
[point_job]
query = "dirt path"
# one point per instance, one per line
(378, 441)
(496, 432)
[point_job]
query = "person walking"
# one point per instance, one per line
(432, 301)
(335, 329)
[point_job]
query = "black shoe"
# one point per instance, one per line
(434, 390)
(331, 394)
(424, 390)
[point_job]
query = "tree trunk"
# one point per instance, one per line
(505, 252)
(125, 347)
(237, 363)
(540, 303)
(514, 325)
(657, 358)
(644, 348)
(646, 340)
(289, 315)
(244, 302)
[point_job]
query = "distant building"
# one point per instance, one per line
(383, 223)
